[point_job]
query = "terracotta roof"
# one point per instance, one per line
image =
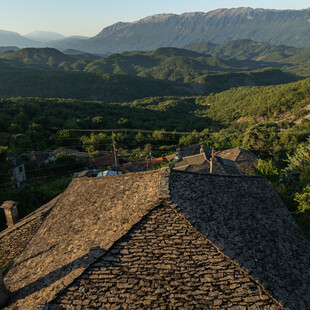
(118, 239)
(105, 153)
(244, 159)
(103, 161)
(141, 165)
(133, 167)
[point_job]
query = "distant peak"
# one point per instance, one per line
(155, 18)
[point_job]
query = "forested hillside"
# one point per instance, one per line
(120, 77)
(289, 59)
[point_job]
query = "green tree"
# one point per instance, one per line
(268, 169)
(139, 138)
(66, 138)
(15, 129)
(303, 200)
(300, 159)
(96, 142)
(159, 135)
(4, 166)
(254, 139)
(147, 151)
(65, 158)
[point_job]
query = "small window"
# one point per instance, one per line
(20, 169)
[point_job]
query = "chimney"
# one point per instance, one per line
(4, 293)
(201, 149)
(11, 213)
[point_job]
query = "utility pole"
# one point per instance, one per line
(211, 162)
(114, 149)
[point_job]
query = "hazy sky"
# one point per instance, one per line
(88, 17)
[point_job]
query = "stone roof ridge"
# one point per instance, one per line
(33, 215)
(220, 175)
(176, 209)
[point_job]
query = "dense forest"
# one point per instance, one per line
(48, 72)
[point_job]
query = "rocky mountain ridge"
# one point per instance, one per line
(277, 27)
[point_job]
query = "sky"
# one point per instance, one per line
(89, 17)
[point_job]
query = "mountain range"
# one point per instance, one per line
(276, 27)
(170, 71)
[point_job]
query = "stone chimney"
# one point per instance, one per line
(4, 293)
(11, 213)
(201, 149)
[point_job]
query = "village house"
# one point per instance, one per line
(78, 155)
(204, 163)
(39, 158)
(193, 150)
(159, 239)
(244, 159)
(17, 169)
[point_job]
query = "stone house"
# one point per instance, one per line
(193, 150)
(17, 169)
(244, 159)
(160, 239)
(202, 163)
(39, 158)
(78, 155)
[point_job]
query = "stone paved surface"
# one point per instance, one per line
(163, 263)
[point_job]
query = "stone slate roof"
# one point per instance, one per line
(245, 218)
(83, 224)
(14, 239)
(76, 153)
(197, 159)
(105, 234)
(38, 157)
(164, 263)
(244, 159)
(200, 163)
(193, 150)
